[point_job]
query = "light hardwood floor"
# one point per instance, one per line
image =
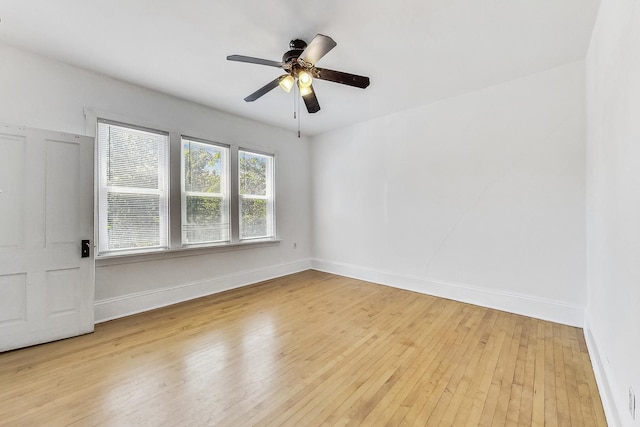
(305, 350)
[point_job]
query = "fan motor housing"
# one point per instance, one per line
(297, 46)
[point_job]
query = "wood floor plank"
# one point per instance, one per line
(550, 391)
(564, 412)
(567, 338)
(525, 418)
(504, 385)
(539, 378)
(308, 349)
(518, 382)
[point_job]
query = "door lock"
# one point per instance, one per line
(85, 249)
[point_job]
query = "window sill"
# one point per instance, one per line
(185, 251)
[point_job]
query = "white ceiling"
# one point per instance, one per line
(414, 51)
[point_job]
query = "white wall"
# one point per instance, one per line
(479, 198)
(613, 203)
(41, 93)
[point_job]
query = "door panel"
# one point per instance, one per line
(63, 291)
(13, 299)
(62, 192)
(46, 195)
(12, 190)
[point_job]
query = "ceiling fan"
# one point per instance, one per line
(299, 64)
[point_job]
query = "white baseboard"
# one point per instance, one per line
(603, 380)
(526, 305)
(113, 308)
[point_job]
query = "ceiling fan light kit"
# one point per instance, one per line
(286, 83)
(299, 64)
(304, 91)
(304, 78)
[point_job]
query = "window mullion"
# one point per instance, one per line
(175, 195)
(234, 202)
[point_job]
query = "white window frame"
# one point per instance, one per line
(103, 191)
(225, 195)
(172, 223)
(269, 196)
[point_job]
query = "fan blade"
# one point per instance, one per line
(318, 48)
(342, 78)
(265, 89)
(311, 101)
(252, 60)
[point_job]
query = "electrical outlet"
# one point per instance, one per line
(632, 403)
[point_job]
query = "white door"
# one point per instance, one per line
(46, 210)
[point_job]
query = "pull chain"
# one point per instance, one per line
(296, 107)
(298, 117)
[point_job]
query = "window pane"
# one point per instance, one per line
(206, 220)
(133, 221)
(204, 166)
(134, 157)
(253, 173)
(254, 218)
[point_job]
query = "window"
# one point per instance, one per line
(133, 180)
(255, 173)
(160, 191)
(205, 192)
